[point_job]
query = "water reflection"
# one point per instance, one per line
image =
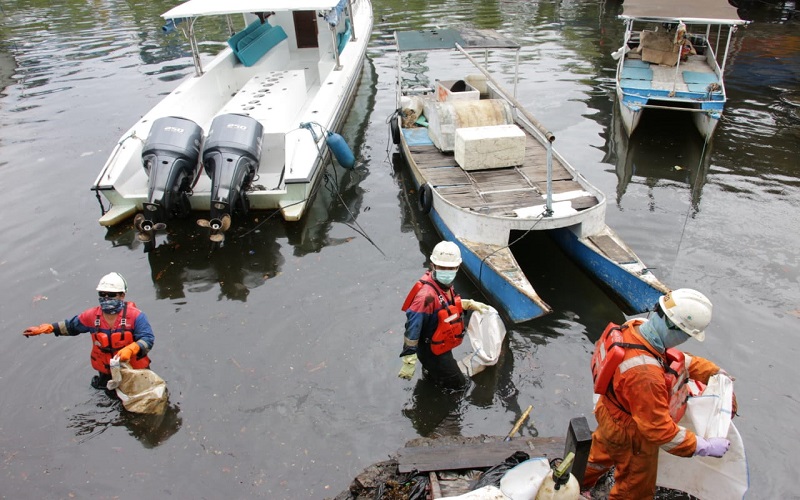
(665, 149)
(435, 411)
(183, 260)
(105, 412)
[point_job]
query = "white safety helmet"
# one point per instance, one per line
(112, 282)
(446, 254)
(689, 310)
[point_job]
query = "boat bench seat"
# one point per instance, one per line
(255, 41)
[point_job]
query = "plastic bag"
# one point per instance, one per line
(486, 332)
(142, 391)
(709, 478)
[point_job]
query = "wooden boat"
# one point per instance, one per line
(261, 117)
(487, 174)
(673, 57)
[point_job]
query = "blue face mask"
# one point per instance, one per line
(445, 276)
(110, 306)
(662, 335)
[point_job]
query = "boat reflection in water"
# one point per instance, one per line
(665, 150)
(185, 261)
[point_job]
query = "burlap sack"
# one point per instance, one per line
(142, 391)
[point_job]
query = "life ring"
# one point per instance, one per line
(395, 128)
(425, 198)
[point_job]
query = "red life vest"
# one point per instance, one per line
(450, 318)
(610, 351)
(105, 345)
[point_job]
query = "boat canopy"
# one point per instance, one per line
(197, 8)
(688, 11)
(448, 38)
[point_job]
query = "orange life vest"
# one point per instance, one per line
(450, 325)
(609, 352)
(105, 345)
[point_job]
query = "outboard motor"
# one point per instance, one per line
(231, 155)
(170, 158)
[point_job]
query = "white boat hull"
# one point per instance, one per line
(285, 88)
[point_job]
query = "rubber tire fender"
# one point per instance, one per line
(425, 198)
(395, 128)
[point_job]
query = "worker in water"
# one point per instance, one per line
(117, 327)
(646, 396)
(435, 320)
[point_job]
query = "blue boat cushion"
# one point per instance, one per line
(699, 82)
(697, 77)
(257, 42)
(636, 63)
(417, 136)
(233, 40)
(635, 84)
(637, 73)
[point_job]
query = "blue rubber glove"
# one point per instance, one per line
(712, 447)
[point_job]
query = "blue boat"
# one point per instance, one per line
(673, 57)
(486, 172)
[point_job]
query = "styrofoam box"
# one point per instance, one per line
(494, 146)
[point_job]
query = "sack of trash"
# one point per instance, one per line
(142, 391)
(486, 332)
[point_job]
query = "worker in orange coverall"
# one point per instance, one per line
(637, 415)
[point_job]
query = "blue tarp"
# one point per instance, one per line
(333, 16)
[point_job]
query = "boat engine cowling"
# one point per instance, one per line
(170, 157)
(231, 154)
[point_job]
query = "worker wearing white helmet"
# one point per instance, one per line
(643, 383)
(118, 328)
(435, 319)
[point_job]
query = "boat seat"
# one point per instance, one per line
(698, 81)
(636, 84)
(256, 40)
(629, 73)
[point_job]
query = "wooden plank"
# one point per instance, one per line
(612, 250)
(474, 456)
(584, 202)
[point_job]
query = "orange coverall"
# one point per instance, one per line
(631, 429)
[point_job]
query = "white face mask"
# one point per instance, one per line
(445, 276)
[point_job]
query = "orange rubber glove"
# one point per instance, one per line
(38, 330)
(129, 350)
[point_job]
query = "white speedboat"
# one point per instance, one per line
(253, 128)
(487, 174)
(673, 57)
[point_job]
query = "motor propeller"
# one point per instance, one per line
(217, 226)
(146, 228)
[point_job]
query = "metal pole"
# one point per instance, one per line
(549, 201)
(198, 67)
(352, 20)
(541, 128)
(335, 48)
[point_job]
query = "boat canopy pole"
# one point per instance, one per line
(352, 20)
(731, 31)
(536, 123)
(198, 67)
(335, 47)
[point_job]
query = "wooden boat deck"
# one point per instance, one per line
(498, 191)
